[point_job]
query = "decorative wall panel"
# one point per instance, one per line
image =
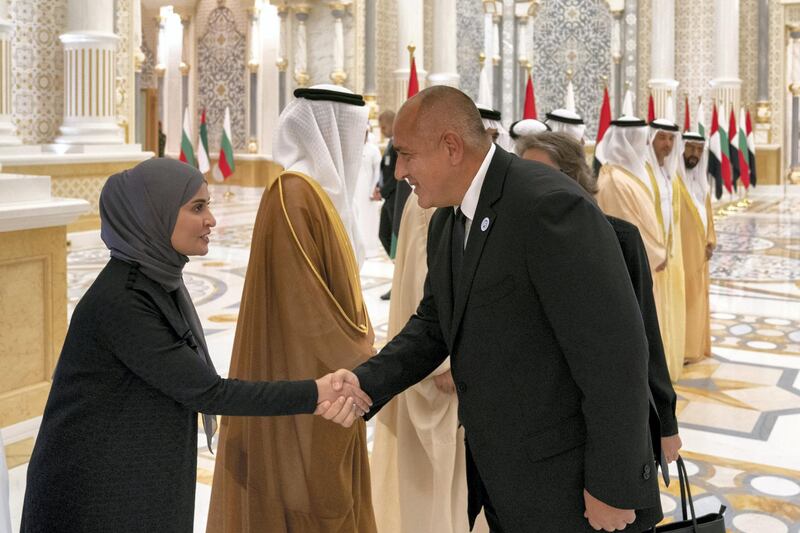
(37, 68)
(645, 19)
(221, 67)
(694, 58)
(125, 81)
(386, 39)
(576, 35)
(469, 21)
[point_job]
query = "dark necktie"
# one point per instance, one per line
(459, 223)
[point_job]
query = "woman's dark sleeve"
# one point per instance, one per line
(139, 336)
(658, 374)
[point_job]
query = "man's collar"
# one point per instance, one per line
(470, 201)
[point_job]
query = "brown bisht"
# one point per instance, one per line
(302, 315)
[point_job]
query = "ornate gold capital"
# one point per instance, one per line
(282, 63)
(338, 77)
(252, 66)
(302, 78)
(185, 68)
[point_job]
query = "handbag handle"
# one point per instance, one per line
(686, 493)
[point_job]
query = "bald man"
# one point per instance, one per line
(528, 292)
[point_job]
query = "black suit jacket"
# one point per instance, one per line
(388, 162)
(117, 448)
(548, 352)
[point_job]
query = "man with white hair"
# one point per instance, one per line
(302, 315)
(699, 240)
(663, 155)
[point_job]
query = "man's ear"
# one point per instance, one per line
(454, 145)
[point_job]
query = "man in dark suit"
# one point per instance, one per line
(387, 186)
(527, 290)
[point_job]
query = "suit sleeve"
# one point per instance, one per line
(577, 269)
(657, 372)
(152, 351)
(411, 356)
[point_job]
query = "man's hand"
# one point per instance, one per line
(444, 382)
(603, 517)
(709, 251)
(671, 446)
(662, 266)
(376, 194)
(340, 398)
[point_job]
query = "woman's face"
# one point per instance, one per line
(193, 227)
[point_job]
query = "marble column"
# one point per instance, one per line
(445, 60)
(726, 83)
(138, 61)
(269, 102)
(497, 62)
(410, 25)
(253, 64)
(89, 64)
(338, 75)
(282, 62)
(185, 66)
(170, 49)
(370, 59)
(525, 14)
(301, 76)
(793, 76)
(763, 117)
(489, 10)
(8, 132)
(617, 9)
(662, 56)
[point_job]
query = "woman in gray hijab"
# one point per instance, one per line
(117, 447)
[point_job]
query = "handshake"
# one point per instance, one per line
(340, 398)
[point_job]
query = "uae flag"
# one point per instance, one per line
(187, 151)
(687, 119)
(413, 81)
(202, 145)
(751, 147)
(529, 111)
(734, 149)
(744, 153)
(651, 109)
(602, 126)
(719, 164)
(225, 166)
(701, 127)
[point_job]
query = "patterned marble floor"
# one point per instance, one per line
(739, 410)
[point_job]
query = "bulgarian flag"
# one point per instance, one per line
(719, 165)
(202, 145)
(529, 111)
(751, 148)
(651, 109)
(225, 166)
(744, 152)
(602, 126)
(733, 135)
(187, 151)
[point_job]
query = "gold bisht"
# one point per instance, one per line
(302, 315)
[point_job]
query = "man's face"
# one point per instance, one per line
(493, 133)
(423, 160)
(662, 145)
(691, 154)
(386, 127)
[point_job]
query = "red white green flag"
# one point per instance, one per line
(225, 166)
(751, 147)
(529, 111)
(734, 149)
(744, 153)
(202, 145)
(187, 151)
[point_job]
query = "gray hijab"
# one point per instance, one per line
(138, 211)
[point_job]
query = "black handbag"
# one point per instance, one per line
(710, 523)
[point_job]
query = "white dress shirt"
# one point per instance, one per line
(469, 204)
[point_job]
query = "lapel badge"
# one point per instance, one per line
(484, 224)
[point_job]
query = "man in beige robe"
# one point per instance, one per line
(699, 240)
(627, 189)
(664, 153)
(302, 315)
(418, 463)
